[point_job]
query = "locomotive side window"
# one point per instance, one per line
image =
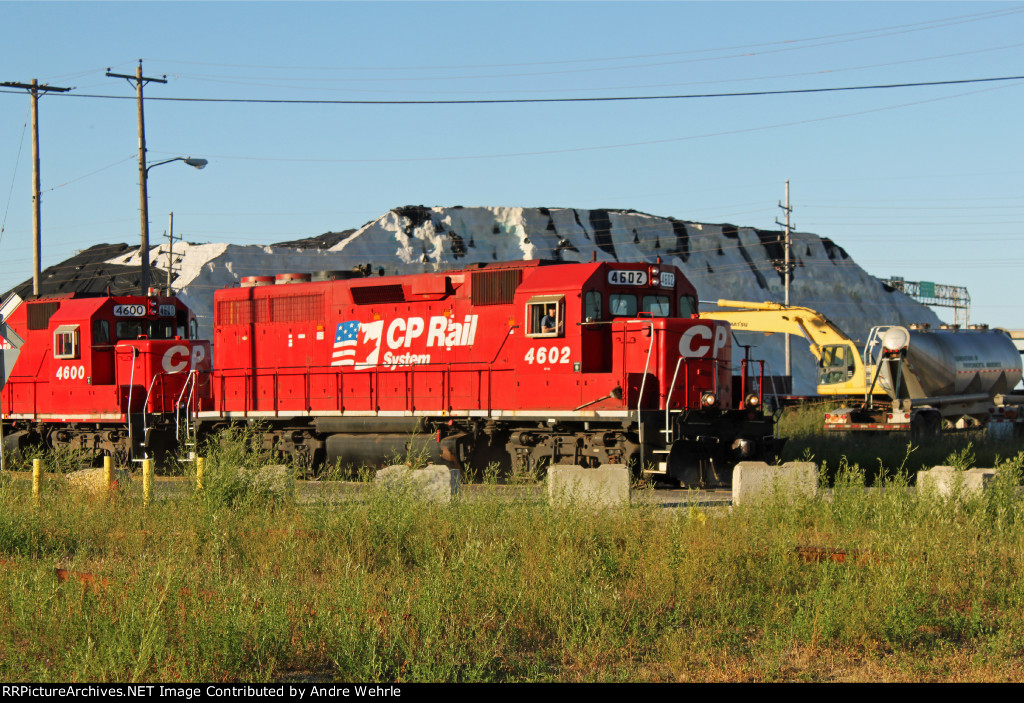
(656, 305)
(592, 306)
(622, 305)
(193, 329)
(687, 305)
(545, 316)
(65, 342)
(101, 332)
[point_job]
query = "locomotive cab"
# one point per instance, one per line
(649, 385)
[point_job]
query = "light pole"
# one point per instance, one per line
(144, 208)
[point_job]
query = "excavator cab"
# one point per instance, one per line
(837, 364)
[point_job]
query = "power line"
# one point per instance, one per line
(515, 101)
(296, 83)
(17, 160)
(785, 44)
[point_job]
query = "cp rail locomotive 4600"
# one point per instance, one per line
(523, 363)
(111, 374)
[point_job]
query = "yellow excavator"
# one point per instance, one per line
(840, 366)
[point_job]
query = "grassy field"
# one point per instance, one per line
(235, 585)
(880, 454)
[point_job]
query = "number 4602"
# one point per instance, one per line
(548, 355)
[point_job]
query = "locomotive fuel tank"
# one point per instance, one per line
(949, 362)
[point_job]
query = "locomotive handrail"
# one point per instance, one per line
(671, 390)
(131, 386)
(306, 372)
(640, 396)
(189, 386)
(149, 394)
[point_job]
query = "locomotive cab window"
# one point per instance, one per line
(687, 305)
(545, 316)
(182, 324)
(592, 306)
(622, 305)
(65, 342)
(162, 329)
(656, 305)
(131, 329)
(100, 332)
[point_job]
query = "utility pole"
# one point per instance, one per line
(170, 253)
(37, 236)
(787, 272)
(139, 80)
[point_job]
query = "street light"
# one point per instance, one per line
(144, 208)
(197, 164)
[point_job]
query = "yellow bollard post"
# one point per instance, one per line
(147, 481)
(108, 473)
(200, 468)
(37, 477)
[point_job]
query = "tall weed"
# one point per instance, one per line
(235, 474)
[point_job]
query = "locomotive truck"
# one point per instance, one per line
(524, 364)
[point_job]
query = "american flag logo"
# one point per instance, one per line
(348, 350)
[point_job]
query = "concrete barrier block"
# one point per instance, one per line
(91, 480)
(945, 480)
(278, 479)
(756, 480)
(605, 486)
(435, 482)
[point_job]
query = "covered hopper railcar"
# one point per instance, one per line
(524, 364)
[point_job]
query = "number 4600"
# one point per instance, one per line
(67, 373)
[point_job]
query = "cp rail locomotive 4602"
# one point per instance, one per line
(524, 364)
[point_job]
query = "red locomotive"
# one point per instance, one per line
(107, 374)
(524, 363)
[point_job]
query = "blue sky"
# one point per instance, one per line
(922, 182)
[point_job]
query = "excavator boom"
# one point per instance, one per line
(840, 366)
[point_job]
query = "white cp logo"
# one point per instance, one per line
(694, 342)
(176, 359)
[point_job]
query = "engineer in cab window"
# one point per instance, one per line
(548, 324)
